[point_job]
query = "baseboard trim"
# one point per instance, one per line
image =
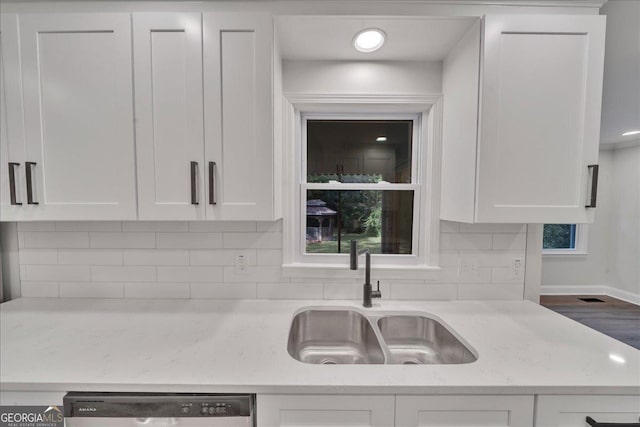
(591, 290)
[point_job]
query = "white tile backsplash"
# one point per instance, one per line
(88, 226)
(37, 226)
(156, 290)
(166, 226)
(131, 273)
(189, 240)
(420, 291)
(224, 290)
(253, 240)
(196, 274)
(221, 256)
(156, 257)
(57, 273)
(39, 289)
(91, 290)
(54, 240)
(476, 241)
(222, 226)
(122, 240)
(90, 256)
(290, 290)
(180, 259)
(38, 256)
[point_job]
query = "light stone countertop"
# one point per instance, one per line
(241, 346)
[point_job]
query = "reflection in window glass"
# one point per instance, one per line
(354, 151)
(381, 221)
(559, 236)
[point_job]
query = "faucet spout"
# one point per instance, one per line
(368, 291)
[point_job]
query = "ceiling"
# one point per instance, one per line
(621, 90)
(330, 37)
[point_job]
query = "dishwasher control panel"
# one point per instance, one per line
(157, 405)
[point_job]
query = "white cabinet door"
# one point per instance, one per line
(78, 113)
(238, 52)
(540, 117)
(571, 411)
(324, 411)
(12, 177)
(167, 52)
(472, 411)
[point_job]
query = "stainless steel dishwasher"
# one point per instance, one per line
(158, 410)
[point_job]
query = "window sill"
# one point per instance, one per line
(569, 253)
(342, 271)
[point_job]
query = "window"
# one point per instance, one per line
(568, 239)
(360, 185)
(361, 168)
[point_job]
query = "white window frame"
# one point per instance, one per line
(580, 245)
(427, 115)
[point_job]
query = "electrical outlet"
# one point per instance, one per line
(469, 268)
(517, 267)
(241, 263)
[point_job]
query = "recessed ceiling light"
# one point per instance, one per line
(381, 139)
(633, 132)
(369, 40)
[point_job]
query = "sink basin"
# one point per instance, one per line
(418, 340)
(334, 337)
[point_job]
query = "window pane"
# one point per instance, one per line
(379, 220)
(559, 236)
(359, 150)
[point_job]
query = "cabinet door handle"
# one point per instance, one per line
(212, 183)
(594, 423)
(12, 183)
(594, 186)
(28, 166)
(194, 183)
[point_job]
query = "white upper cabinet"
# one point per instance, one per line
(12, 177)
(78, 110)
(525, 156)
(169, 115)
(204, 124)
(238, 102)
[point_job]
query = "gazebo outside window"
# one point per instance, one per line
(320, 221)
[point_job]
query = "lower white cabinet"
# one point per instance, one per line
(398, 411)
(325, 410)
(461, 411)
(571, 411)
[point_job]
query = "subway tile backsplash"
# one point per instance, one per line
(179, 260)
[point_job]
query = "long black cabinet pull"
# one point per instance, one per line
(212, 183)
(28, 166)
(594, 186)
(12, 183)
(594, 423)
(194, 183)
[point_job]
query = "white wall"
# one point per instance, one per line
(362, 77)
(612, 265)
(624, 253)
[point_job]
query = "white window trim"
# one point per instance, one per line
(579, 250)
(428, 109)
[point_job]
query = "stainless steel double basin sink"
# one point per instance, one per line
(333, 336)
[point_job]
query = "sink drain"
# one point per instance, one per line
(328, 362)
(411, 362)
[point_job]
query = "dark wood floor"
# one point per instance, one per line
(613, 317)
